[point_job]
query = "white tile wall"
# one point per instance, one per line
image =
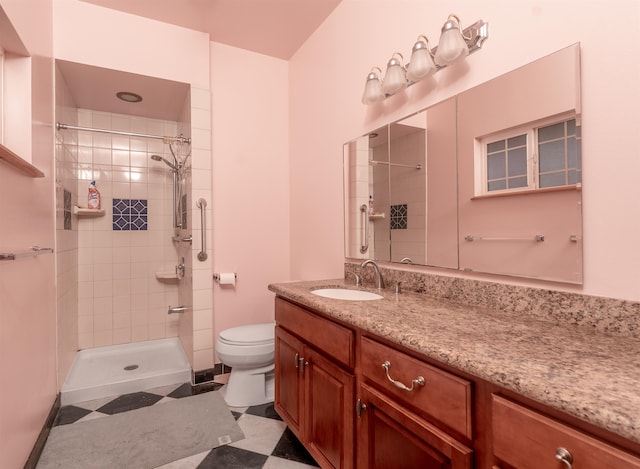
(120, 298)
(202, 281)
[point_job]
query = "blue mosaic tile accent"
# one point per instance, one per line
(129, 214)
(67, 209)
(399, 217)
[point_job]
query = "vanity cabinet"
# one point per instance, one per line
(526, 439)
(409, 411)
(434, 393)
(390, 436)
(357, 400)
(315, 384)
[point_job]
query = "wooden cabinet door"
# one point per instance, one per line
(289, 389)
(329, 412)
(391, 437)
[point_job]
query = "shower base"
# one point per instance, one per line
(121, 369)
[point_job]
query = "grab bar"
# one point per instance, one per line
(35, 251)
(364, 243)
(401, 165)
(536, 238)
(202, 204)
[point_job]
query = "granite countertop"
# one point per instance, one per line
(589, 375)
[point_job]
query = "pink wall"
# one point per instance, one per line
(250, 182)
(93, 35)
(327, 77)
(278, 133)
(27, 286)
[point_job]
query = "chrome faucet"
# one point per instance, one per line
(378, 275)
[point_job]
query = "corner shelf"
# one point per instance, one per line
(87, 212)
(376, 216)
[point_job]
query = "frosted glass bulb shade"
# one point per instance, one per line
(421, 64)
(372, 89)
(395, 78)
(452, 45)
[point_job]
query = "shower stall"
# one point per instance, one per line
(125, 271)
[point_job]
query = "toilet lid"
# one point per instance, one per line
(255, 334)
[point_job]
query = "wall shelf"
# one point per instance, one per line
(376, 216)
(167, 275)
(87, 212)
(18, 163)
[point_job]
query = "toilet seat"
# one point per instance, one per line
(253, 334)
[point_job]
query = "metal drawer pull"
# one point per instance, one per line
(300, 362)
(419, 380)
(360, 407)
(564, 456)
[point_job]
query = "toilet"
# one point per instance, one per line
(249, 351)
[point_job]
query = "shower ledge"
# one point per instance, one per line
(167, 275)
(87, 212)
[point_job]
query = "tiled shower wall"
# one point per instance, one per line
(107, 288)
(66, 154)
(359, 190)
(196, 327)
(120, 298)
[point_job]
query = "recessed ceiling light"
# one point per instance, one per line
(129, 97)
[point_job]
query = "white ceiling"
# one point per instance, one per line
(95, 88)
(272, 27)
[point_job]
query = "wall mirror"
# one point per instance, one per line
(487, 181)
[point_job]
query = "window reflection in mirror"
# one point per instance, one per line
(523, 216)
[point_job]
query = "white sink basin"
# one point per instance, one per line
(346, 294)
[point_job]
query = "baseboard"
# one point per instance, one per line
(36, 451)
(203, 376)
(209, 374)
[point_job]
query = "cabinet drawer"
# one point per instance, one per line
(331, 338)
(526, 439)
(444, 396)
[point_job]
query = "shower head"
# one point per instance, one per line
(168, 163)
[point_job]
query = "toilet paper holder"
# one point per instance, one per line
(217, 276)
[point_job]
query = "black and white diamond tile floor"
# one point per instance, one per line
(268, 443)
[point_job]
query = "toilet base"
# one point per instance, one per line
(250, 387)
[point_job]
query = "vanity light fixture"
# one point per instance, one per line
(395, 78)
(455, 44)
(373, 87)
(422, 64)
(452, 45)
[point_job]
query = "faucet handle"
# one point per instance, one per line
(356, 278)
(397, 290)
